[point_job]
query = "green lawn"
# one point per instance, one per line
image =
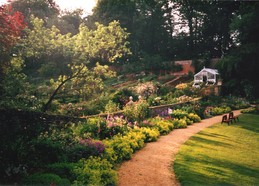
(221, 155)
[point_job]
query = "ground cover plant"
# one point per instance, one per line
(221, 155)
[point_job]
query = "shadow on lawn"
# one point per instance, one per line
(215, 171)
(201, 140)
(249, 122)
(213, 135)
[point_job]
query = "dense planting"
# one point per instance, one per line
(72, 152)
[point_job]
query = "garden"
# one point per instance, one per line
(88, 151)
(80, 94)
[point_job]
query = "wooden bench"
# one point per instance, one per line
(232, 117)
(225, 119)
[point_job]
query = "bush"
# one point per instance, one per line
(121, 148)
(180, 114)
(251, 110)
(136, 111)
(220, 110)
(95, 171)
(150, 134)
(194, 117)
(164, 126)
(111, 107)
(179, 123)
(45, 179)
(64, 170)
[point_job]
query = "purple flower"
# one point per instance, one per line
(97, 145)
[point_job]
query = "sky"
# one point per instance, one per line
(86, 5)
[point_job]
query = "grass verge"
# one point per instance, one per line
(221, 155)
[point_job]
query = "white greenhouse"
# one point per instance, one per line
(207, 76)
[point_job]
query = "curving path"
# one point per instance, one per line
(151, 165)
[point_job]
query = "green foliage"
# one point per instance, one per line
(137, 111)
(121, 97)
(17, 92)
(111, 107)
(45, 179)
(220, 110)
(251, 110)
(64, 170)
(95, 171)
(121, 148)
(194, 117)
(179, 123)
(180, 114)
(151, 134)
(164, 126)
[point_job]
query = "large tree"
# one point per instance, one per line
(74, 57)
(241, 66)
(148, 21)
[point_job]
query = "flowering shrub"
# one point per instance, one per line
(164, 126)
(146, 123)
(92, 128)
(184, 98)
(194, 117)
(179, 123)
(150, 134)
(137, 111)
(181, 86)
(145, 89)
(96, 146)
(121, 148)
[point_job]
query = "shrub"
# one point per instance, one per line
(64, 170)
(115, 125)
(251, 110)
(145, 89)
(220, 110)
(179, 123)
(180, 114)
(137, 111)
(150, 134)
(188, 121)
(121, 148)
(111, 107)
(194, 117)
(181, 86)
(164, 126)
(45, 179)
(95, 171)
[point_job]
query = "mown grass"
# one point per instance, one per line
(221, 155)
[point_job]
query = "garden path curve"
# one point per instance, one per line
(151, 166)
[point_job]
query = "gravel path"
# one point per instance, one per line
(151, 166)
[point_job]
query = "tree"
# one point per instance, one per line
(149, 23)
(241, 66)
(76, 56)
(11, 26)
(43, 9)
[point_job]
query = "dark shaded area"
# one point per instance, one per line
(18, 129)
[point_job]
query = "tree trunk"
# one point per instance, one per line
(46, 106)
